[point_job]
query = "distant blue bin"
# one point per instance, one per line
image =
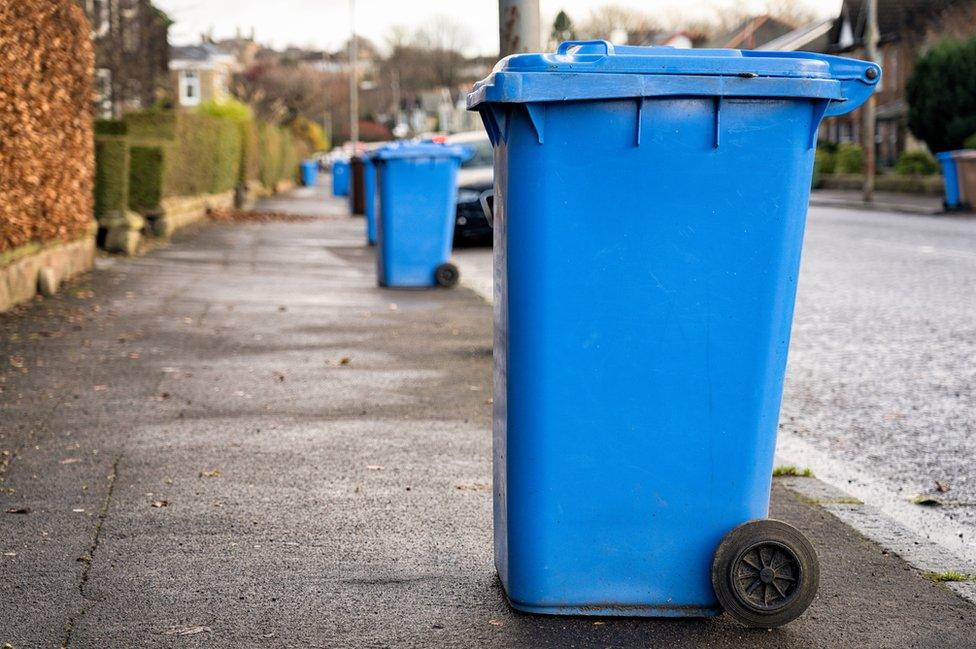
(341, 173)
(649, 213)
(310, 172)
(415, 224)
(950, 174)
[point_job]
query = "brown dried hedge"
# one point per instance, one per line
(46, 148)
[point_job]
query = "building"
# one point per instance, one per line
(907, 28)
(131, 39)
(201, 73)
(751, 34)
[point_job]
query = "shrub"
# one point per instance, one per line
(307, 131)
(110, 127)
(941, 95)
(916, 163)
(970, 142)
(152, 124)
(850, 159)
(146, 176)
(825, 162)
(111, 175)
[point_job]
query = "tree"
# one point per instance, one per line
(562, 30)
(942, 95)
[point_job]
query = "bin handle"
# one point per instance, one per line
(485, 207)
(565, 46)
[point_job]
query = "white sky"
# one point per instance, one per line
(325, 23)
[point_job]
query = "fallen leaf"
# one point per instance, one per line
(496, 623)
(160, 503)
(214, 473)
(345, 360)
(188, 629)
(489, 401)
(928, 501)
(393, 307)
(18, 510)
(942, 487)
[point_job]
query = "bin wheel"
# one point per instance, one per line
(765, 573)
(447, 275)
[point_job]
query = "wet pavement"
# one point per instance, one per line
(238, 440)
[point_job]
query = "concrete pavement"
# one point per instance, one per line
(239, 441)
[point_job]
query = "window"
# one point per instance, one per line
(97, 11)
(189, 88)
(103, 93)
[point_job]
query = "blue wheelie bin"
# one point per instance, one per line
(340, 177)
(950, 174)
(415, 225)
(310, 172)
(649, 212)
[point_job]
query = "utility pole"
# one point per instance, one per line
(870, 114)
(353, 79)
(519, 26)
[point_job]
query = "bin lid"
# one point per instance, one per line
(422, 150)
(581, 70)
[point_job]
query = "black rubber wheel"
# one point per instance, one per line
(765, 573)
(447, 275)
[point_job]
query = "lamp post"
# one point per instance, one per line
(519, 26)
(353, 79)
(870, 107)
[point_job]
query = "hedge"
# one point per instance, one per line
(46, 134)
(210, 151)
(111, 175)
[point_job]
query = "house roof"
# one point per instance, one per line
(751, 33)
(812, 37)
(894, 16)
(204, 52)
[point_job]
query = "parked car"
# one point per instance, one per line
(477, 175)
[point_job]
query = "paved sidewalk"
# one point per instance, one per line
(883, 201)
(239, 441)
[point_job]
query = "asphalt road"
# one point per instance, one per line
(880, 395)
(238, 440)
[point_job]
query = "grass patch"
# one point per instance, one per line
(791, 472)
(949, 576)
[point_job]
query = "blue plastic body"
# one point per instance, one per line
(310, 172)
(415, 224)
(369, 200)
(951, 176)
(648, 230)
(341, 177)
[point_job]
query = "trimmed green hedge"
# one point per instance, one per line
(168, 154)
(146, 176)
(112, 159)
(110, 127)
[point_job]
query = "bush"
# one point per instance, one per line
(850, 159)
(240, 114)
(153, 124)
(941, 95)
(146, 176)
(110, 127)
(916, 163)
(111, 175)
(825, 162)
(970, 142)
(307, 131)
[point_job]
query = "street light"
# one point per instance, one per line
(353, 79)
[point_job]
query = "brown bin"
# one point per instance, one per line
(357, 187)
(966, 168)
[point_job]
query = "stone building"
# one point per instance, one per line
(131, 40)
